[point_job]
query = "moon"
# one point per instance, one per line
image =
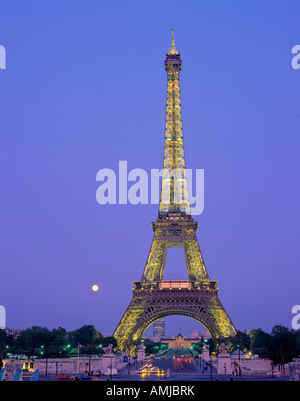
(95, 288)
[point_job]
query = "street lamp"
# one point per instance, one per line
(143, 353)
(46, 356)
(272, 366)
(129, 362)
(239, 360)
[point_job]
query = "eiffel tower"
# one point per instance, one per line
(153, 297)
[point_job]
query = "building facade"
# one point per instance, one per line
(180, 341)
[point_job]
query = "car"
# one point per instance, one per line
(80, 377)
(63, 377)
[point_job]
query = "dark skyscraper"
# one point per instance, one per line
(159, 328)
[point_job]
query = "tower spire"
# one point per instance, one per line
(173, 50)
(174, 192)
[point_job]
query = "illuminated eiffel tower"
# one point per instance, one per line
(153, 297)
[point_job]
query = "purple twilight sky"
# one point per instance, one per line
(85, 87)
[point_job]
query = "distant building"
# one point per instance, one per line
(13, 332)
(205, 334)
(194, 333)
(245, 331)
(159, 328)
(155, 339)
(179, 341)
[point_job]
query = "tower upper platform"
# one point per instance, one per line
(173, 56)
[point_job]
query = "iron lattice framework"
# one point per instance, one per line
(153, 297)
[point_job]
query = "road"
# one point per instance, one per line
(180, 369)
(180, 365)
(176, 378)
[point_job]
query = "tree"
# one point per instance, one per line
(3, 343)
(58, 346)
(240, 341)
(41, 342)
(260, 343)
(109, 340)
(156, 348)
(210, 344)
(151, 347)
(32, 341)
(90, 339)
(198, 347)
(10, 340)
(297, 336)
(283, 345)
(85, 335)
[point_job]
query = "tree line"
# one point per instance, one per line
(40, 342)
(280, 346)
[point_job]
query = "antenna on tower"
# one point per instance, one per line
(173, 50)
